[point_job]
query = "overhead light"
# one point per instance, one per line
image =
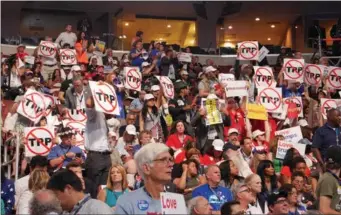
(221, 28)
(273, 26)
(169, 26)
(296, 26)
(257, 19)
(126, 24)
(160, 39)
(269, 38)
(124, 36)
(120, 37)
(192, 42)
(228, 40)
(230, 27)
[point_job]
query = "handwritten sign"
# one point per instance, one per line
(258, 112)
(292, 135)
(213, 115)
(298, 101)
(185, 57)
(67, 57)
(248, 50)
(173, 203)
(236, 88)
(38, 140)
(283, 147)
(263, 52)
(133, 78)
(223, 78)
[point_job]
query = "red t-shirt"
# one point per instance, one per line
(207, 160)
(286, 171)
(173, 141)
(265, 144)
(237, 122)
(259, 124)
(179, 156)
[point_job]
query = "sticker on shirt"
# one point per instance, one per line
(213, 199)
(212, 134)
(142, 205)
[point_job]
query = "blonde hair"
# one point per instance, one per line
(38, 180)
(249, 178)
(110, 184)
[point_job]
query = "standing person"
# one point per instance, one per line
(215, 194)
(49, 64)
(68, 189)
(139, 36)
(327, 135)
(154, 164)
(327, 191)
(67, 37)
(136, 54)
(74, 96)
(168, 65)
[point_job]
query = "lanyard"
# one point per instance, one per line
(81, 204)
(215, 193)
(337, 131)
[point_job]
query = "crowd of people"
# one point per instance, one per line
(158, 144)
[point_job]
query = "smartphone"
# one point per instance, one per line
(79, 155)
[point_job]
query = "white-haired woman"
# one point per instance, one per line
(154, 164)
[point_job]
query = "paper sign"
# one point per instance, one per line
(167, 86)
(293, 69)
(100, 46)
(104, 97)
(263, 52)
(327, 104)
(33, 105)
(67, 57)
(173, 203)
(133, 78)
(264, 77)
(213, 115)
(236, 88)
(29, 59)
(38, 140)
(77, 115)
(248, 50)
(313, 74)
(298, 101)
(78, 128)
(47, 49)
(258, 112)
(334, 77)
(283, 147)
(223, 78)
(271, 99)
(292, 135)
(185, 57)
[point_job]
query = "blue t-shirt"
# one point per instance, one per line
(288, 93)
(137, 61)
(62, 149)
(215, 196)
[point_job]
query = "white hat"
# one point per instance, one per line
(256, 133)
(232, 130)
(302, 123)
(210, 69)
(183, 72)
(148, 97)
(218, 144)
(212, 96)
(131, 130)
(155, 88)
(75, 68)
(145, 64)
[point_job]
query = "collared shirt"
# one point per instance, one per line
(91, 206)
(325, 137)
(66, 37)
(288, 93)
(246, 157)
(80, 101)
(62, 149)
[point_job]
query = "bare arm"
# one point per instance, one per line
(141, 122)
(324, 206)
(102, 195)
(267, 130)
(57, 161)
(181, 182)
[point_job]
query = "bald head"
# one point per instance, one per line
(44, 202)
(199, 205)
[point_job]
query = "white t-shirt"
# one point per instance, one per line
(66, 37)
(15, 80)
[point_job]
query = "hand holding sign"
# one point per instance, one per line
(38, 140)
(264, 76)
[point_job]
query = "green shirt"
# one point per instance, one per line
(328, 186)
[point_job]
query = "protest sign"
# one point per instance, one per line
(99, 46)
(271, 99)
(313, 74)
(78, 129)
(167, 86)
(293, 69)
(67, 57)
(213, 115)
(283, 147)
(77, 115)
(29, 59)
(104, 97)
(263, 76)
(298, 101)
(173, 203)
(133, 78)
(263, 52)
(334, 77)
(255, 111)
(248, 50)
(236, 88)
(292, 135)
(38, 140)
(47, 49)
(327, 104)
(185, 57)
(33, 105)
(223, 78)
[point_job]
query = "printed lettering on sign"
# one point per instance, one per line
(77, 115)
(334, 77)
(271, 99)
(47, 49)
(293, 69)
(133, 78)
(248, 50)
(185, 57)
(173, 203)
(298, 101)
(38, 140)
(167, 86)
(327, 104)
(105, 98)
(68, 57)
(313, 74)
(263, 76)
(78, 129)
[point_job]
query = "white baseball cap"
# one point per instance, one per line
(148, 97)
(256, 133)
(145, 64)
(210, 69)
(218, 144)
(131, 130)
(232, 130)
(75, 68)
(155, 88)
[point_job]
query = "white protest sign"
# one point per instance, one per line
(271, 99)
(236, 88)
(327, 104)
(38, 140)
(334, 77)
(173, 203)
(185, 57)
(67, 57)
(223, 78)
(293, 69)
(47, 49)
(78, 129)
(283, 147)
(33, 105)
(133, 78)
(263, 52)
(264, 76)
(104, 97)
(292, 135)
(29, 59)
(248, 50)
(313, 74)
(77, 115)
(298, 101)
(167, 86)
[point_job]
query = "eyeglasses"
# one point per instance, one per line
(165, 160)
(281, 201)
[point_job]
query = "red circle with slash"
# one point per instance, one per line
(266, 95)
(45, 53)
(258, 72)
(38, 140)
(252, 54)
(309, 80)
(289, 63)
(113, 107)
(333, 71)
(25, 111)
(135, 74)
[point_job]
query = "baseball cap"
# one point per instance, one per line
(302, 123)
(131, 130)
(210, 69)
(256, 133)
(112, 134)
(29, 72)
(229, 145)
(65, 131)
(218, 144)
(145, 64)
(155, 88)
(273, 198)
(75, 68)
(333, 155)
(180, 85)
(21, 45)
(232, 130)
(148, 97)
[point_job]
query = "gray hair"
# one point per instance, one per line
(235, 189)
(45, 202)
(147, 154)
(191, 204)
(77, 78)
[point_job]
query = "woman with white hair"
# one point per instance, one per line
(154, 165)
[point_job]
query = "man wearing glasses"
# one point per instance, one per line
(242, 193)
(278, 203)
